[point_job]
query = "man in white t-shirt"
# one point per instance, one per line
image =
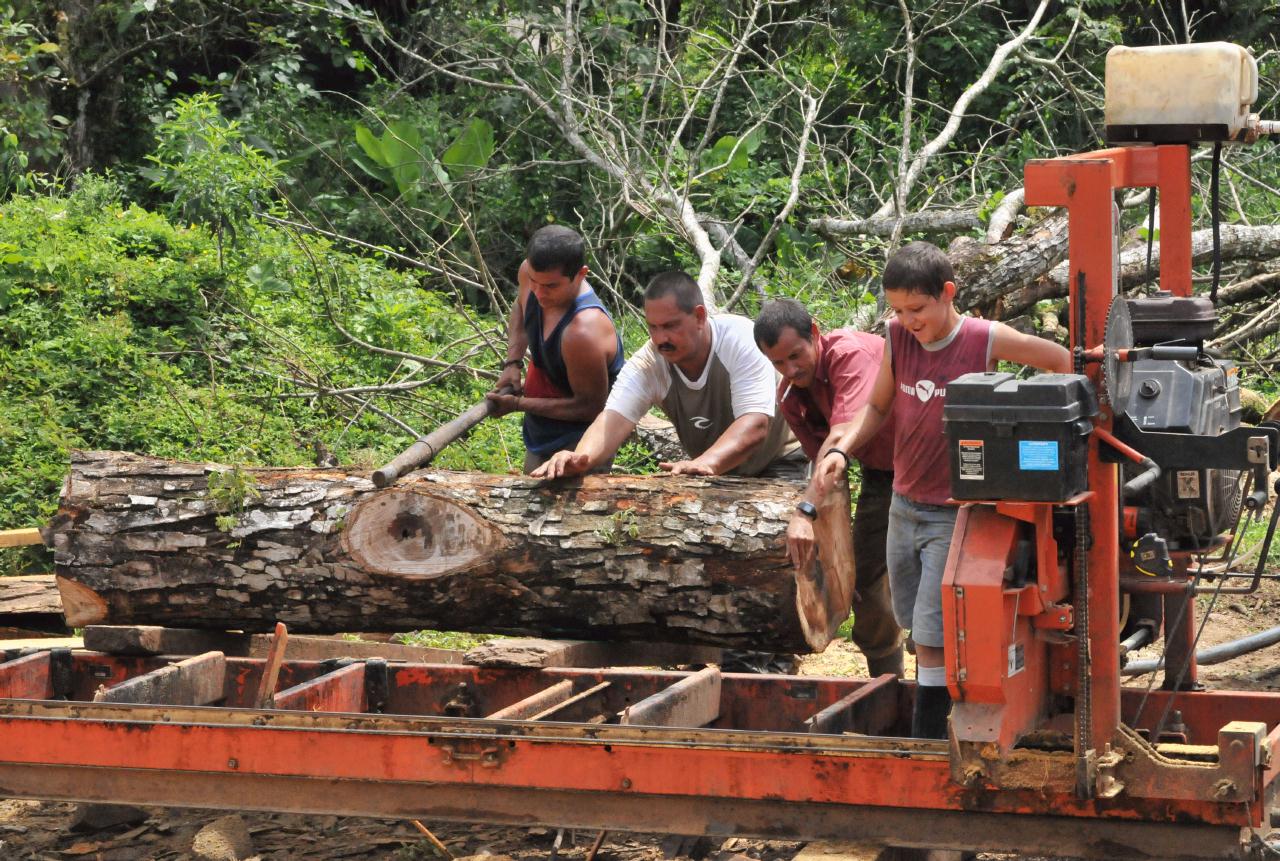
(709, 378)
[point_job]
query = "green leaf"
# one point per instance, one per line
(723, 156)
(370, 144)
(472, 149)
(47, 48)
(402, 149)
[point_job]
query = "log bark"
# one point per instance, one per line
(140, 540)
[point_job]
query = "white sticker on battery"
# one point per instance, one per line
(1188, 484)
(1017, 660)
(973, 465)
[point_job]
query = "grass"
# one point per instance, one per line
(443, 639)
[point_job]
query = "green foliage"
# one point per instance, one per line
(395, 157)
(231, 490)
(120, 330)
(472, 149)
(212, 175)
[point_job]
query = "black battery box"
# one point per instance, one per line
(1019, 439)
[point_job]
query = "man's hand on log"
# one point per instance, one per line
(801, 542)
(686, 467)
(563, 464)
(503, 403)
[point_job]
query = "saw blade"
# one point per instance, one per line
(1118, 335)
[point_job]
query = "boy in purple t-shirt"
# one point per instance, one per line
(929, 344)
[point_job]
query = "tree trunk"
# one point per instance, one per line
(139, 540)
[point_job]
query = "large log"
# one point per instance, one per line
(139, 540)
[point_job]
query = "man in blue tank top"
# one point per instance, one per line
(575, 351)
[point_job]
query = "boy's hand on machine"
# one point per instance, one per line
(801, 542)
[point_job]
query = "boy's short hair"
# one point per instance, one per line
(919, 267)
(675, 283)
(556, 247)
(779, 314)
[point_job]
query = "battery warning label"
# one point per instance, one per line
(972, 460)
(1188, 484)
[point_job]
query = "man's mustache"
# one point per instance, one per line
(667, 348)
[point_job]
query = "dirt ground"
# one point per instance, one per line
(38, 831)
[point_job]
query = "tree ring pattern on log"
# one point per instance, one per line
(416, 535)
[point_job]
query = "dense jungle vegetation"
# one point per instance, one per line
(287, 232)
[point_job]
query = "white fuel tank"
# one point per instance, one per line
(1179, 93)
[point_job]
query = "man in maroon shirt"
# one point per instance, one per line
(826, 380)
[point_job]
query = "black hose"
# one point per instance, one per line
(1214, 654)
(1151, 471)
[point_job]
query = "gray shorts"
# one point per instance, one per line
(918, 542)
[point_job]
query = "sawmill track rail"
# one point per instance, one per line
(696, 752)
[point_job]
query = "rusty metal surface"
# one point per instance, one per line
(849, 771)
(719, 817)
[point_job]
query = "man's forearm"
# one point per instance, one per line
(736, 444)
(603, 438)
(564, 409)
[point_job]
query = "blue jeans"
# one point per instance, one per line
(918, 542)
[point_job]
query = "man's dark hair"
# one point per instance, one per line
(918, 267)
(678, 284)
(779, 314)
(556, 247)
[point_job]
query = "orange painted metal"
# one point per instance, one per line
(995, 663)
(27, 677)
(605, 760)
(342, 690)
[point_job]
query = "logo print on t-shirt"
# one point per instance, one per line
(701, 422)
(925, 390)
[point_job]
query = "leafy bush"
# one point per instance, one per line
(119, 329)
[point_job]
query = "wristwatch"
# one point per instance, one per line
(806, 508)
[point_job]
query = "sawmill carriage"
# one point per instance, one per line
(1095, 507)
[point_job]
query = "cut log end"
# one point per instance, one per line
(416, 535)
(824, 595)
(81, 605)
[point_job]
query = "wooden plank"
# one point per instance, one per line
(576, 699)
(325, 648)
(870, 710)
(693, 701)
(539, 702)
(533, 653)
(43, 643)
(195, 681)
(339, 691)
(30, 593)
(20, 537)
(265, 698)
(155, 640)
(27, 678)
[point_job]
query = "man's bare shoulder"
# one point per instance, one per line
(590, 329)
